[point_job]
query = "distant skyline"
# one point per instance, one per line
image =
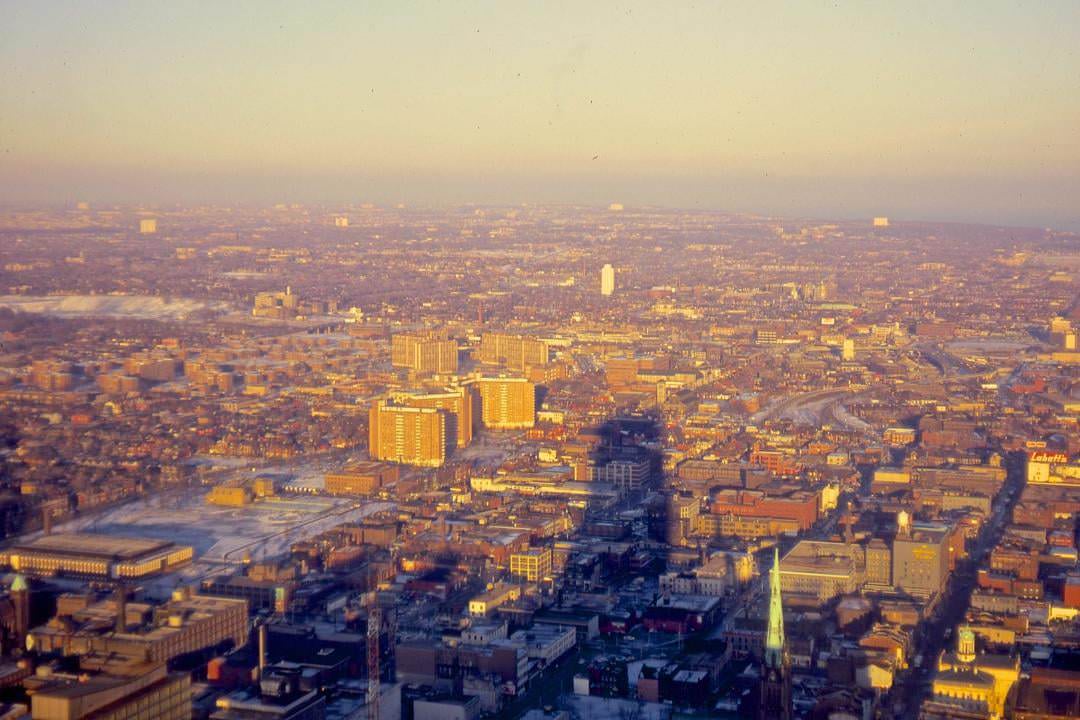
(935, 111)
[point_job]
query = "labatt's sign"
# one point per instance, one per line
(1051, 468)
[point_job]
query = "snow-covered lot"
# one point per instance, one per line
(130, 306)
(222, 535)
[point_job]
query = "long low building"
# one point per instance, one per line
(159, 633)
(86, 555)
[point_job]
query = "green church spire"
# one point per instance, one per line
(774, 637)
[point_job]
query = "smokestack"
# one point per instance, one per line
(121, 608)
(459, 679)
(262, 649)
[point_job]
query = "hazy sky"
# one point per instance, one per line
(922, 110)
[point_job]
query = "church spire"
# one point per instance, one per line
(774, 702)
(774, 637)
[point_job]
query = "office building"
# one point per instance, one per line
(408, 435)
(147, 226)
(532, 565)
(920, 557)
(625, 469)
(607, 280)
(507, 403)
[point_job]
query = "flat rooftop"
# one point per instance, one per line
(105, 547)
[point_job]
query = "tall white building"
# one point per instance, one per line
(607, 280)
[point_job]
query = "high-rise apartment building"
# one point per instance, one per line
(424, 353)
(516, 352)
(458, 402)
(507, 403)
(607, 280)
(409, 435)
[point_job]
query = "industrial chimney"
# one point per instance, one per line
(262, 649)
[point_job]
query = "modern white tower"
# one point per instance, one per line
(607, 280)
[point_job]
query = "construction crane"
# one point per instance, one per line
(391, 622)
(374, 623)
(375, 618)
